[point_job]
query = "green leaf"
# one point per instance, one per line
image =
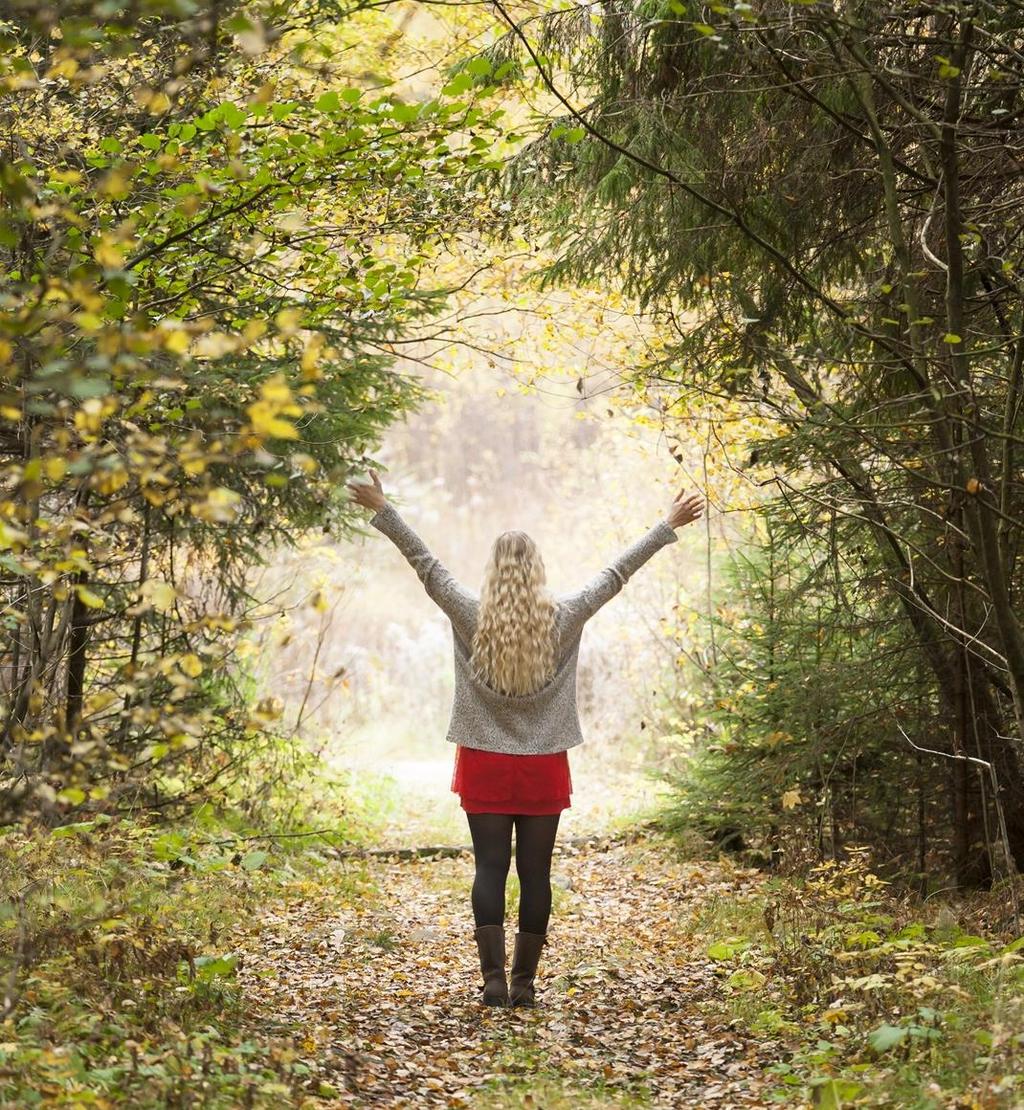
(252, 860)
(168, 846)
(951, 337)
(73, 828)
(405, 113)
(967, 940)
(574, 134)
(89, 387)
(744, 979)
(886, 1036)
(232, 115)
(863, 938)
(458, 84)
(834, 1094)
(329, 102)
(210, 967)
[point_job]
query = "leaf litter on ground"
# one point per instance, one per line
(382, 995)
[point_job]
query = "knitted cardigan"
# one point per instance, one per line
(481, 717)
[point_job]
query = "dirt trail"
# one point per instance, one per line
(380, 988)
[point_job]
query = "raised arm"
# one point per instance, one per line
(455, 600)
(583, 604)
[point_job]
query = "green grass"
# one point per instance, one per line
(390, 814)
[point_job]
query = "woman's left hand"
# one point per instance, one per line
(371, 497)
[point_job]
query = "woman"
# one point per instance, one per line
(514, 717)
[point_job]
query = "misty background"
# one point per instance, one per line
(532, 425)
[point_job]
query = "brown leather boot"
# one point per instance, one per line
(524, 967)
(490, 940)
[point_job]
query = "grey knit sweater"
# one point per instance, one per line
(544, 721)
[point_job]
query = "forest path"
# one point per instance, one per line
(380, 988)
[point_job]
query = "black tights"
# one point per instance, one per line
(492, 849)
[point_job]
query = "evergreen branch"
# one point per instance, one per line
(732, 216)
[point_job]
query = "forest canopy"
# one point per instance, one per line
(210, 240)
(214, 238)
(822, 204)
(531, 262)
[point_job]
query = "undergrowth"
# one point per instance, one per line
(882, 999)
(121, 939)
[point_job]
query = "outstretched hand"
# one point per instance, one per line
(685, 510)
(369, 496)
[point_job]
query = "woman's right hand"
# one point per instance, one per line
(685, 510)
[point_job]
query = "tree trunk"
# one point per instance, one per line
(77, 643)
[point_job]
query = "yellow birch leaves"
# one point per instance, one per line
(267, 415)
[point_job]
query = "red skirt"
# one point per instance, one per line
(499, 782)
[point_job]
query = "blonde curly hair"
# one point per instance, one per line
(514, 645)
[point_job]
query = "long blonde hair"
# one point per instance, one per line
(514, 646)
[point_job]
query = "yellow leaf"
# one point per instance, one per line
(791, 798)
(287, 320)
(87, 597)
(215, 344)
(177, 341)
(107, 482)
(265, 424)
(11, 537)
(304, 462)
(66, 67)
(115, 184)
(191, 665)
(109, 253)
(221, 506)
(161, 595)
(158, 103)
(311, 356)
(276, 391)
